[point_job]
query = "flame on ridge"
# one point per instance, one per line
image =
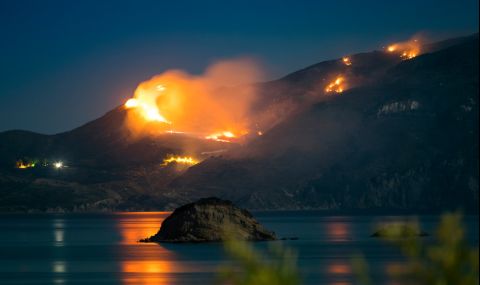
(336, 86)
(346, 60)
(24, 165)
(187, 160)
(406, 50)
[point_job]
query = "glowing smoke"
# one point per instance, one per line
(406, 50)
(206, 105)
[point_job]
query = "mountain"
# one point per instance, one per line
(403, 136)
(407, 141)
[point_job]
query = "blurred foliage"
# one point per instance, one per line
(399, 230)
(446, 260)
(251, 267)
(361, 270)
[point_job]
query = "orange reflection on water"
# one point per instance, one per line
(147, 266)
(145, 263)
(338, 231)
(154, 271)
(340, 268)
(136, 226)
(140, 280)
(149, 272)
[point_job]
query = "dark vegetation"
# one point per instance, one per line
(448, 259)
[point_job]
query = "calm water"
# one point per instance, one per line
(102, 248)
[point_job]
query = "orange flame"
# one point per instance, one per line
(145, 104)
(337, 86)
(131, 103)
(207, 106)
(23, 165)
(187, 160)
(346, 60)
(406, 50)
(221, 136)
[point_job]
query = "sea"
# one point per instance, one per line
(103, 248)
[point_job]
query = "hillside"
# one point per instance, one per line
(407, 141)
(404, 135)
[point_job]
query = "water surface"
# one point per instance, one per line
(103, 248)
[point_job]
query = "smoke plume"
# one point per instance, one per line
(209, 105)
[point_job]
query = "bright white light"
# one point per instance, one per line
(58, 164)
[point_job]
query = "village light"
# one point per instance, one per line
(58, 164)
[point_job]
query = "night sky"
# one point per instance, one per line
(64, 63)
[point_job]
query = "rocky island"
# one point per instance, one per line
(210, 220)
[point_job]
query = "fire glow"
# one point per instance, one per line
(207, 106)
(221, 136)
(146, 106)
(186, 160)
(24, 165)
(337, 86)
(406, 50)
(346, 60)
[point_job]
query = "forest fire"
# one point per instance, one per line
(145, 104)
(408, 55)
(346, 60)
(24, 165)
(186, 160)
(205, 106)
(337, 86)
(221, 136)
(131, 103)
(406, 50)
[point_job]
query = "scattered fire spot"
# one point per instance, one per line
(24, 165)
(337, 86)
(406, 50)
(346, 60)
(186, 160)
(408, 55)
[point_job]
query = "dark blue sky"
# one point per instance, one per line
(63, 63)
